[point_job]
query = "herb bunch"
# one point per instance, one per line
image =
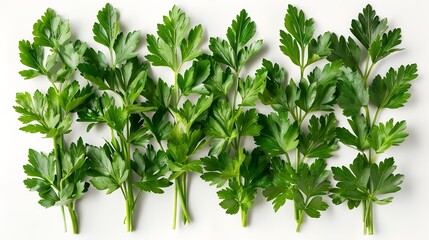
(177, 122)
(113, 166)
(365, 181)
(295, 179)
(58, 177)
(230, 121)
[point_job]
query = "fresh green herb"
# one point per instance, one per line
(175, 45)
(366, 181)
(282, 132)
(229, 162)
(58, 177)
(113, 166)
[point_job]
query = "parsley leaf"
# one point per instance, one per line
(278, 136)
(391, 91)
(236, 51)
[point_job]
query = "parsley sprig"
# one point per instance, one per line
(58, 177)
(113, 166)
(294, 179)
(230, 121)
(365, 181)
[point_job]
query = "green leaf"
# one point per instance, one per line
(236, 197)
(278, 135)
(368, 26)
(139, 133)
(321, 141)
(73, 54)
(125, 46)
(161, 53)
(359, 138)
(223, 52)
(247, 123)
(106, 29)
(172, 36)
(221, 122)
(99, 161)
(31, 56)
(353, 94)
(241, 31)
(319, 49)
(194, 78)
(385, 45)
(290, 47)
(189, 46)
(51, 31)
(329, 74)
(74, 159)
(190, 113)
(41, 166)
(352, 183)
(159, 125)
(254, 169)
(298, 26)
(94, 111)
(346, 51)
(181, 145)
(280, 96)
(72, 96)
(313, 180)
(219, 81)
(315, 206)
(103, 183)
(218, 170)
(158, 95)
(383, 181)
(94, 68)
(116, 118)
(152, 168)
(392, 91)
(42, 109)
(237, 50)
(130, 80)
(284, 177)
(316, 96)
(384, 136)
(250, 88)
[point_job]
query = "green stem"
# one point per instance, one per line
(73, 218)
(64, 218)
(368, 116)
(300, 220)
(302, 65)
(129, 214)
(184, 191)
(182, 202)
(59, 175)
(377, 112)
(175, 205)
(296, 212)
(243, 218)
(368, 217)
(237, 77)
(176, 89)
(112, 63)
(130, 194)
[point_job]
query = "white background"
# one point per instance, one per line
(101, 216)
